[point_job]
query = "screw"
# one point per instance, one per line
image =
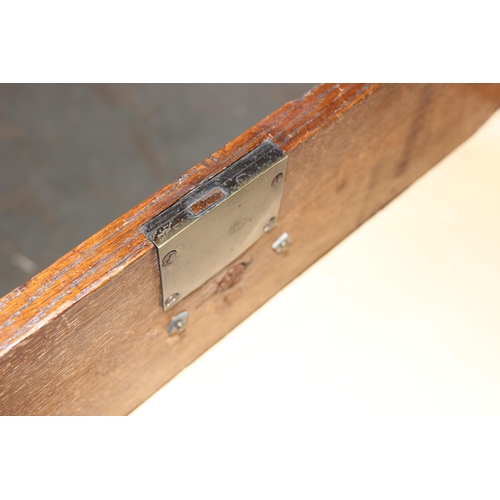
(172, 299)
(178, 323)
(276, 180)
(169, 258)
(270, 224)
(282, 243)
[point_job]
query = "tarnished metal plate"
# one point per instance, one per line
(217, 221)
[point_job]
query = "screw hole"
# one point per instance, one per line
(277, 180)
(270, 224)
(169, 258)
(172, 299)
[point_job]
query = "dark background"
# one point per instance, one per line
(75, 157)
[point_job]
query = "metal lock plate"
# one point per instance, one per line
(217, 221)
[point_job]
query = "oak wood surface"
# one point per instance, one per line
(88, 335)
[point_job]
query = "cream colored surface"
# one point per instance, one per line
(403, 317)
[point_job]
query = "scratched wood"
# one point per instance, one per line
(88, 335)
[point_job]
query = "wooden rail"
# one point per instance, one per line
(88, 335)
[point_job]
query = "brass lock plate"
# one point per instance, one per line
(217, 221)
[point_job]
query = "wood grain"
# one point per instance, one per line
(88, 335)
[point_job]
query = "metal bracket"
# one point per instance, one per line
(217, 221)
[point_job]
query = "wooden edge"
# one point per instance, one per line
(105, 254)
(87, 336)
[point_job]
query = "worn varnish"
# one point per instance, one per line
(88, 334)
